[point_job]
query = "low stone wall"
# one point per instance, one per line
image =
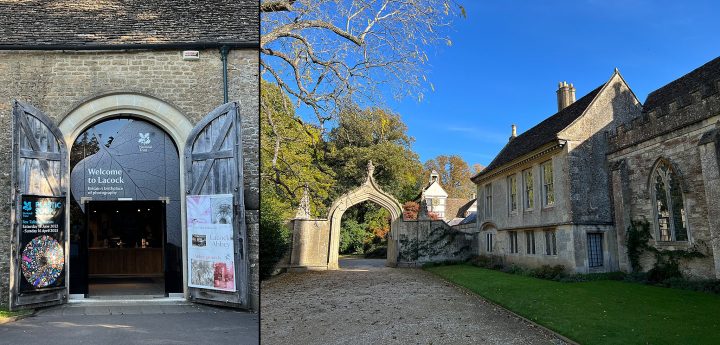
(425, 241)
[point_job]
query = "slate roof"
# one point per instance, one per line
(123, 22)
(456, 207)
(471, 218)
(684, 85)
(543, 133)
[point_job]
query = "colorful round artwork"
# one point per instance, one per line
(42, 261)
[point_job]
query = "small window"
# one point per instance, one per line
(595, 250)
(513, 242)
(512, 188)
(529, 192)
(548, 191)
(489, 242)
(550, 243)
(530, 242)
(488, 201)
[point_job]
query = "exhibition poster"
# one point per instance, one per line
(211, 259)
(42, 242)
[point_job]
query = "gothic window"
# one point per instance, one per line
(548, 191)
(512, 187)
(669, 205)
(529, 193)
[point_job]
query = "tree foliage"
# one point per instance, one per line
(291, 156)
(454, 175)
(274, 235)
(379, 136)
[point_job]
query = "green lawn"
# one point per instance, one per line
(599, 312)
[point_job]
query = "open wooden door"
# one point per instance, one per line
(217, 239)
(39, 241)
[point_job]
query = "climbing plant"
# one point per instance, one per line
(667, 262)
(437, 243)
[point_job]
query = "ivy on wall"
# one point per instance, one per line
(667, 262)
(436, 244)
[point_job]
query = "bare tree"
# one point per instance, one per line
(326, 52)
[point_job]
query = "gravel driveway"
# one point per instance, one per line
(365, 303)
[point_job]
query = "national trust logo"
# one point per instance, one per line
(144, 141)
(144, 138)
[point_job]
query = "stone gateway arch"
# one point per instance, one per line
(316, 242)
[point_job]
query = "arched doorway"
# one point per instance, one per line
(368, 191)
(212, 176)
(125, 221)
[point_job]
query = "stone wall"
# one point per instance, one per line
(631, 185)
(56, 82)
(587, 146)
(424, 241)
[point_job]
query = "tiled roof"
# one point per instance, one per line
(543, 133)
(456, 207)
(123, 22)
(685, 85)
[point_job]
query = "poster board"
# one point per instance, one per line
(211, 259)
(42, 238)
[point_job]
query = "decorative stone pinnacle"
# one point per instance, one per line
(370, 168)
(303, 210)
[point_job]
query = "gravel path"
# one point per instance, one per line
(367, 304)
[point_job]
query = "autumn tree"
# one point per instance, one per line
(454, 175)
(290, 161)
(327, 52)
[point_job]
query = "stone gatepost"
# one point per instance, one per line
(708, 149)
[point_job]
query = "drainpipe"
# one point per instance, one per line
(224, 50)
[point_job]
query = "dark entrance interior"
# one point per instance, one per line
(125, 248)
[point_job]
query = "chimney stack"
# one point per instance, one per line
(514, 132)
(565, 95)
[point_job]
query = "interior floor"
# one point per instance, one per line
(130, 286)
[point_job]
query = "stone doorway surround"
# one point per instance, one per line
(316, 242)
(114, 104)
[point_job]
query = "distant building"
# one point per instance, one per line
(451, 210)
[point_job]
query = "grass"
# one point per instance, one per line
(4, 314)
(598, 312)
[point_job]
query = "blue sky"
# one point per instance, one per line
(507, 58)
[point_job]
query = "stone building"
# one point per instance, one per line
(434, 195)
(664, 171)
(544, 200)
(163, 93)
(451, 210)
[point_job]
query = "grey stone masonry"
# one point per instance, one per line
(679, 126)
(57, 82)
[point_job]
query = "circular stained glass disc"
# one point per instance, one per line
(42, 261)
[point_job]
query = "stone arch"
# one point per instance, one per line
(103, 106)
(488, 226)
(368, 191)
(128, 103)
(676, 170)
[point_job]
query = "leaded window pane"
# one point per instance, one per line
(529, 193)
(669, 205)
(512, 185)
(548, 191)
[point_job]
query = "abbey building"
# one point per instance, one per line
(567, 191)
